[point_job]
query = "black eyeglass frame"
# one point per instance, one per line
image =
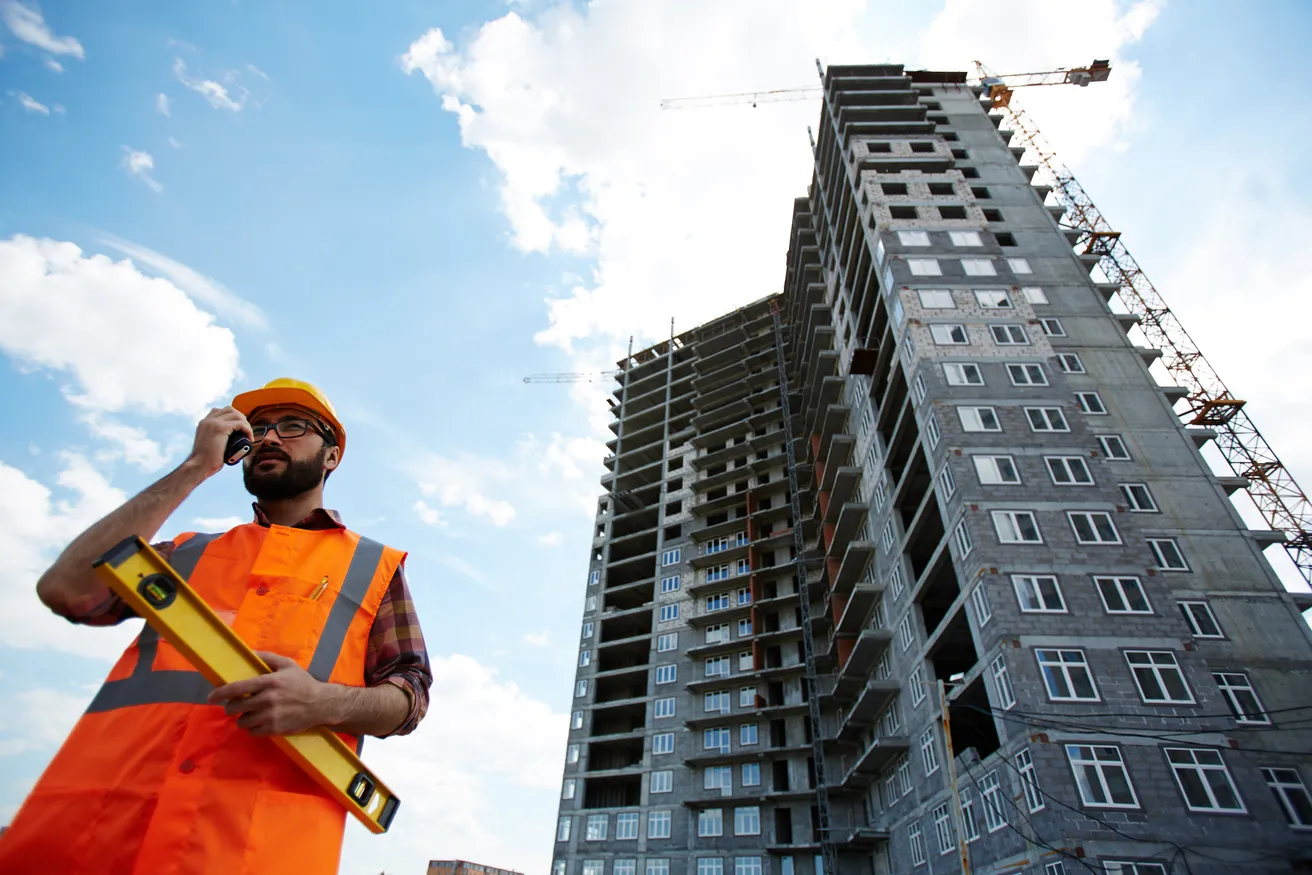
(259, 432)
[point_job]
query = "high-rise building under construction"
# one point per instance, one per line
(931, 473)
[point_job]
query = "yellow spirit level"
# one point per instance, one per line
(158, 594)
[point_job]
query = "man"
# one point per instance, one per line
(164, 773)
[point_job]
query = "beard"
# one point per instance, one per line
(296, 478)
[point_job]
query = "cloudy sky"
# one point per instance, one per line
(414, 204)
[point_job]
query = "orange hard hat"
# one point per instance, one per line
(285, 391)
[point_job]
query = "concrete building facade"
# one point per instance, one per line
(995, 495)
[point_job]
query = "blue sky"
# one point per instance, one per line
(415, 204)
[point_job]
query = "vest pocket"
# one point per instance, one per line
(281, 623)
(296, 833)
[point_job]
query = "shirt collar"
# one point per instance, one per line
(319, 518)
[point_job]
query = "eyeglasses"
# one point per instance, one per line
(288, 428)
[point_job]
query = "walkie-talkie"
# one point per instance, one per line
(238, 447)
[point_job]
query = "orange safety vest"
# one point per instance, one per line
(153, 781)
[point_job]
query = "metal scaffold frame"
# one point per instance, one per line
(804, 603)
(1278, 498)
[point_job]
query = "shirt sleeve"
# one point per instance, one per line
(113, 610)
(397, 654)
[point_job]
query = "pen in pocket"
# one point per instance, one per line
(318, 590)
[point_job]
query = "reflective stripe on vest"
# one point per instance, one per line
(147, 687)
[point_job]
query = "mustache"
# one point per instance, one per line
(265, 455)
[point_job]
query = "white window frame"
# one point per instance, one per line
(1052, 327)
(569, 788)
(625, 866)
(1029, 780)
(1285, 782)
(594, 867)
(929, 751)
(916, 686)
(1034, 294)
(1156, 546)
(972, 419)
(906, 633)
(710, 822)
(1090, 404)
(1089, 518)
(943, 830)
(917, 843)
(662, 743)
(658, 823)
(913, 238)
(994, 299)
(1010, 526)
(748, 734)
(747, 697)
(1070, 363)
(744, 817)
(662, 708)
(576, 720)
(1209, 770)
(750, 775)
(1234, 686)
(979, 597)
(1034, 598)
(965, 238)
(667, 641)
(962, 374)
(585, 658)
(572, 754)
(1138, 498)
(918, 390)
(1002, 682)
(1121, 586)
(968, 823)
(710, 866)
(1062, 665)
(671, 557)
(596, 827)
(717, 738)
(1113, 448)
(946, 481)
(1068, 470)
(670, 584)
(563, 828)
(580, 687)
(949, 334)
(994, 470)
(1026, 374)
(669, 613)
(1019, 265)
(961, 536)
(747, 865)
(991, 797)
(594, 577)
(1009, 334)
(716, 666)
(978, 267)
(924, 267)
(662, 781)
(1090, 762)
(717, 778)
(667, 674)
(1155, 667)
(1048, 415)
(588, 629)
(936, 299)
(931, 431)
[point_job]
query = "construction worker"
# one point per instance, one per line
(166, 774)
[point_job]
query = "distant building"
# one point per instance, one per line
(464, 867)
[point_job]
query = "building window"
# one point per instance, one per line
(979, 597)
(1002, 682)
(717, 701)
(1241, 697)
(585, 658)
(1009, 335)
(751, 774)
(669, 612)
(1027, 375)
(1158, 677)
(669, 584)
(716, 738)
(968, 824)
(1052, 327)
(747, 821)
(890, 720)
(625, 867)
(748, 734)
(1093, 527)
(904, 776)
(961, 535)
(594, 867)
(1291, 793)
(670, 557)
(710, 822)
(1029, 780)
(1113, 447)
(996, 470)
(1070, 363)
(1019, 265)
(662, 742)
(1068, 471)
(1034, 294)
(590, 603)
(965, 238)
(745, 627)
(946, 482)
(948, 335)
(717, 778)
(1122, 595)
(663, 708)
(597, 824)
(887, 537)
(991, 794)
(1101, 776)
(587, 631)
(918, 391)
(558, 867)
(1138, 498)
(662, 782)
(905, 633)
(943, 830)
(716, 666)
(576, 720)
(1090, 403)
(929, 751)
(994, 299)
(936, 299)
(917, 844)
(626, 827)
(717, 633)
(1016, 527)
(924, 267)
(1066, 675)
(747, 865)
(746, 662)
(717, 602)
(895, 583)
(568, 789)
(978, 267)
(1202, 623)
(719, 572)
(667, 642)
(931, 431)
(580, 688)
(1046, 419)
(1127, 867)
(658, 824)
(747, 697)
(963, 375)
(1203, 779)
(667, 674)
(710, 866)
(594, 577)
(1167, 554)
(1056, 867)
(978, 419)
(1039, 593)
(744, 596)
(572, 753)
(913, 238)
(562, 828)
(916, 684)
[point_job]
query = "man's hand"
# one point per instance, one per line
(283, 702)
(212, 433)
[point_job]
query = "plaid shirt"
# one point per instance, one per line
(396, 653)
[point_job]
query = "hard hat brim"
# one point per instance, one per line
(283, 396)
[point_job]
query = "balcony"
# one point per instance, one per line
(871, 700)
(865, 651)
(852, 615)
(844, 573)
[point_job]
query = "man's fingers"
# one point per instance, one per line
(276, 660)
(246, 704)
(237, 689)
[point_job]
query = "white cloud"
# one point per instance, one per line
(64, 311)
(131, 443)
(162, 104)
(53, 65)
(462, 779)
(463, 483)
(29, 26)
(428, 516)
(139, 164)
(32, 105)
(218, 523)
(463, 568)
(173, 141)
(214, 93)
(537, 639)
(258, 72)
(551, 539)
(40, 719)
(206, 290)
(34, 527)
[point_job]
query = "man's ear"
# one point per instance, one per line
(334, 456)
